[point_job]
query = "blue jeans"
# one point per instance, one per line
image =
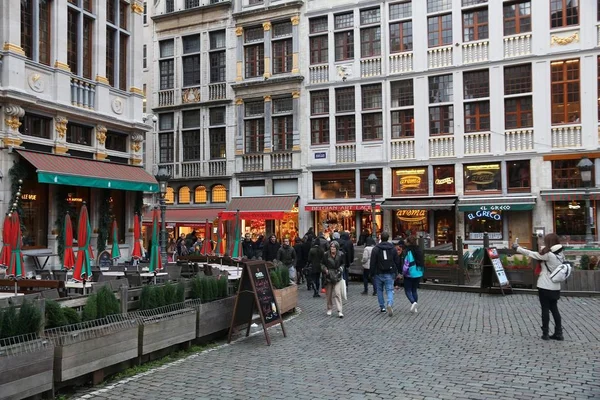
(388, 281)
(366, 273)
(410, 288)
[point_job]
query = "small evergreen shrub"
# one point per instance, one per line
(285, 277)
(146, 299)
(107, 303)
(71, 316)
(214, 289)
(169, 293)
(9, 323)
(180, 293)
(159, 296)
(584, 262)
(90, 310)
(276, 278)
(55, 316)
(222, 282)
(196, 288)
(30, 319)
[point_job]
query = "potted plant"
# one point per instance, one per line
(518, 270)
(214, 306)
(26, 361)
(286, 294)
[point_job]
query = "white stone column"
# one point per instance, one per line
(267, 49)
(589, 101)
(421, 115)
(99, 63)
(542, 138)
(496, 85)
(135, 51)
(459, 115)
(13, 67)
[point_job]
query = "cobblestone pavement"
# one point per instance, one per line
(459, 346)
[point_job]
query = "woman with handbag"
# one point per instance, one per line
(550, 257)
(412, 270)
(332, 268)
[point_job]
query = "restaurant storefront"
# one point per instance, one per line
(351, 218)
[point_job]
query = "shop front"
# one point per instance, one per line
(351, 218)
(265, 215)
(569, 213)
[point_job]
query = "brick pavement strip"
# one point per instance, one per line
(459, 346)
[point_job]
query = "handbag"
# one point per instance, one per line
(538, 269)
(344, 289)
(560, 273)
(406, 266)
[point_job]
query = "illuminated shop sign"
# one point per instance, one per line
(495, 215)
(445, 181)
(411, 215)
(410, 180)
(29, 196)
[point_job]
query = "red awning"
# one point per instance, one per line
(260, 207)
(567, 195)
(192, 216)
(340, 207)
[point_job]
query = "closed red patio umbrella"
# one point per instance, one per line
(16, 268)
(115, 252)
(136, 253)
(69, 255)
(6, 250)
(83, 267)
(207, 244)
(155, 258)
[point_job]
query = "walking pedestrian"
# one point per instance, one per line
(550, 256)
(384, 268)
(348, 248)
(300, 260)
(287, 256)
(315, 259)
(413, 258)
(366, 262)
(333, 265)
(271, 248)
(248, 247)
(258, 247)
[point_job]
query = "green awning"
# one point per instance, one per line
(67, 170)
(497, 204)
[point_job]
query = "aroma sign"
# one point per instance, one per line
(410, 181)
(411, 215)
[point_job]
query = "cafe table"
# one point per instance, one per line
(78, 287)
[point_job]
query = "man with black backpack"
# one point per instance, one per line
(384, 268)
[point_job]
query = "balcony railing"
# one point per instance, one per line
(403, 149)
(191, 169)
(217, 168)
(318, 73)
(370, 67)
(517, 45)
(217, 91)
(441, 146)
(252, 162)
(439, 57)
(282, 160)
(518, 140)
(345, 153)
(476, 52)
(83, 93)
(566, 136)
(401, 62)
(170, 168)
(477, 143)
(166, 98)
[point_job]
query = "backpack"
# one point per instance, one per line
(560, 273)
(387, 261)
(410, 269)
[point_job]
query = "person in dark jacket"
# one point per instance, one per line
(348, 249)
(384, 268)
(248, 247)
(315, 259)
(270, 249)
(286, 255)
(258, 247)
(298, 249)
(413, 277)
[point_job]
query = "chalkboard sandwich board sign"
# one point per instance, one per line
(492, 269)
(105, 260)
(256, 292)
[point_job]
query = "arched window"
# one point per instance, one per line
(184, 195)
(200, 195)
(219, 194)
(170, 196)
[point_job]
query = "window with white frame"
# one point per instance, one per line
(319, 112)
(439, 23)
(476, 87)
(80, 37)
(190, 135)
(344, 36)
(441, 109)
(372, 117)
(402, 109)
(117, 39)
(345, 120)
(475, 24)
(166, 64)
(370, 32)
(36, 38)
(283, 124)
(217, 57)
(254, 126)
(282, 47)
(190, 61)
(145, 56)
(319, 40)
(165, 138)
(216, 133)
(518, 99)
(254, 52)
(401, 36)
(169, 6)
(145, 14)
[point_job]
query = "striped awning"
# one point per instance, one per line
(568, 194)
(260, 207)
(505, 203)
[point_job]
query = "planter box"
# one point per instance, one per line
(453, 274)
(582, 281)
(164, 330)
(286, 298)
(26, 369)
(80, 352)
(522, 277)
(214, 317)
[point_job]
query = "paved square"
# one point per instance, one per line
(459, 346)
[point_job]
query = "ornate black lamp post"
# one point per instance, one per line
(163, 176)
(585, 169)
(372, 181)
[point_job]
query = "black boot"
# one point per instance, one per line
(558, 334)
(545, 334)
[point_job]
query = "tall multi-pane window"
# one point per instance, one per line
(166, 64)
(216, 133)
(518, 102)
(439, 23)
(564, 13)
(402, 105)
(254, 126)
(217, 57)
(475, 24)
(79, 134)
(319, 44)
(35, 31)
(200, 195)
(254, 51)
(80, 28)
(345, 119)
(116, 141)
(190, 60)
(191, 4)
(517, 17)
(169, 6)
(283, 124)
(190, 135)
(401, 36)
(145, 56)
(165, 138)
(36, 126)
(117, 39)
(319, 108)
(372, 117)
(566, 106)
(145, 14)
(370, 32)
(476, 89)
(344, 36)
(282, 47)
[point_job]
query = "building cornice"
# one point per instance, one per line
(276, 8)
(272, 81)
(190, 11)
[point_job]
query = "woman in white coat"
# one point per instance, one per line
(550, 257)
(366, 263)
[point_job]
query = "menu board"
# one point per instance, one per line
(264, 292)
(105, 260)
(494, 259)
